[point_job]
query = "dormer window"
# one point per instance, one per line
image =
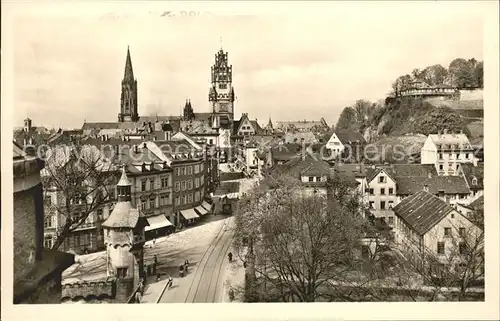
(474, 181)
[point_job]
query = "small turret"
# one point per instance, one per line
(123, 188)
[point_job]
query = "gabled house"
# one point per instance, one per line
(404, 180)
(245, 127)
(282, 153)
(312, 172)
(428, 226)
(473, 176)
(347, 144)
(447, 151)
(300, 138)
(382, 196)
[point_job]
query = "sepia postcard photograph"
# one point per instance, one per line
(280, 160)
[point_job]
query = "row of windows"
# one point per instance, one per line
(188, 185)
(447, 231)
(151, 202)
(78, 240)
(188, 198)
(382, 204)
(152, 183)
(457, 156)
(441, 249)
(188, 170)
(441, 166)
(382, 191)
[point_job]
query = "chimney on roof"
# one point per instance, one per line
(429, 175)
(426, 188)
(136, 149)
(445, 131)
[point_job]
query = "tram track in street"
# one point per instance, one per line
(191, 296)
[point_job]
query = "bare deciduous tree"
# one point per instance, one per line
(82, 180)
(300, 246)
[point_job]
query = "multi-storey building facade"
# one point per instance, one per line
(382, 195)
(62, 203)
(447, 152)
(427, 226)
(389, 184)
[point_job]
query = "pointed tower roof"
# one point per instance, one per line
(129, 72)
(124, 179)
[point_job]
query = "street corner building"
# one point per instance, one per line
(37, 271)
(124, 238)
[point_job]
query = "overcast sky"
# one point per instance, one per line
(284, 66)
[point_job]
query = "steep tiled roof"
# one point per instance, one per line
(349, 136)
(422, 211)
(357, 170)
(311, 124)
(309, 137)
(123, 215)
(286, 151)
(36, 137)
(451, 141)
(479, 202)
(201, 128)
(203, 116)
(447, 184)
(256, 126)
(113, 125)
(470, 172)
(403, 170)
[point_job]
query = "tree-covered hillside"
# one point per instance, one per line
(403, 115)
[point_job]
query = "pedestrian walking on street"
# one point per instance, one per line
(181, 270)
(141, 286)
(170, 282)
(230, 256)
(138, 297)
(155, 259)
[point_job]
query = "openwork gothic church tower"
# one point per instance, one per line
(128, 105)
(221, 94)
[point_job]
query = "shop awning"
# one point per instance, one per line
(189, 214)
(201, 210)
(207, 206)
(228, 195)
(156, 222)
